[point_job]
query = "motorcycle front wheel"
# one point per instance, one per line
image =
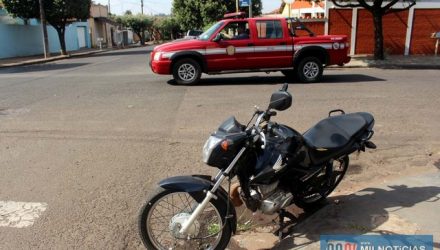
(162, 216)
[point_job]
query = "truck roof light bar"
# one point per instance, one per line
(235, 15)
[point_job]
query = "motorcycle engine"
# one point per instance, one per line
(271, 198)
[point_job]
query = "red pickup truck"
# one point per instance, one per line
(237, 44)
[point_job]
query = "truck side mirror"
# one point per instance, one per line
(217, 37)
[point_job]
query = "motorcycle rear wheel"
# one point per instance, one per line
(161, 216)
(315, 198)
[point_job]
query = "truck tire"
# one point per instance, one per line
(186, 71)
(309, 70)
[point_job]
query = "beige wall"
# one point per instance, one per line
(99, 29)
(97, 10)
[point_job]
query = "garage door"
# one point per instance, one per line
(81, 36)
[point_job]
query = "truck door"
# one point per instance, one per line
(273, 44)
(234, 50)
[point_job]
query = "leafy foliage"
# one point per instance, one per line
(59, 13)
(138, 23)
(187, 13)
(167, 26)
(196, 14)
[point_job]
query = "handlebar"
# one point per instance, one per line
(262, 116)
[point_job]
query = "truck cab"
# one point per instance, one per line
(236, 44)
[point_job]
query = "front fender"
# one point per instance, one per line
(188, 183)
(196, 185)
(191, 54)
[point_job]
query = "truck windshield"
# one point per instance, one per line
(208, 33)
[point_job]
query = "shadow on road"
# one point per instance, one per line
(347, 78)
(41, 67)
(359, 213)
(254, 80)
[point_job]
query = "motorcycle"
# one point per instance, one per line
(275, 165)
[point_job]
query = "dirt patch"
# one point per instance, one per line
(354, 169)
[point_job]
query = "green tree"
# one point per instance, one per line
(196, 14)
(138, 23)
(59, 13)
(187, 13)
(167, 26)
(378, 9)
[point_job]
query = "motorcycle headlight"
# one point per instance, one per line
(210, 144)
(157, 56)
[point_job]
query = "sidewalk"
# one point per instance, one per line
(404, 206)
(21, 61)
(396, 62)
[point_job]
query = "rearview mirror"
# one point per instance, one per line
(280, 100)
(217, 37)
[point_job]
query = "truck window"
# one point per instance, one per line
(208, 33)
(269, 29)
(236, 31)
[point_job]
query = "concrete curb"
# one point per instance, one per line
(51, 59)
(396, 66)
(389, 64)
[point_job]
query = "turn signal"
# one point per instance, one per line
(225, 145)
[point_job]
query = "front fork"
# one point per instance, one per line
(210, 194)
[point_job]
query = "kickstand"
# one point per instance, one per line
(282, 214)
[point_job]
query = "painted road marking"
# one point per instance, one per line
(20, 214)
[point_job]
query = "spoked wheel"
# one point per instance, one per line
(326, 181)
(162, 217)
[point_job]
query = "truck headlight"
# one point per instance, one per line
(157, 56)
(210, 144)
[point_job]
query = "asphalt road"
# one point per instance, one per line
(83, 141)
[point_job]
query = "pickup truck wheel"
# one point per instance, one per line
(186, 71)
(309, 70)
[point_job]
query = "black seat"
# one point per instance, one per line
(337, 131)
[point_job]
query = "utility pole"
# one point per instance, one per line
(109, 7)
(142, 7)
(44, 29)
(289, 5)
(236, 6)
(250, 8)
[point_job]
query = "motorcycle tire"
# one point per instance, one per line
(147, 235)
(307, 205)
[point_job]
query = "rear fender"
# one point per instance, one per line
(315, 51)
(196, 186)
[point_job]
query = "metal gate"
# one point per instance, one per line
(81, 31)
